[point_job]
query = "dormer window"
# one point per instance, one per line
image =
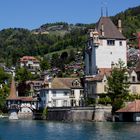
(75, 83)
(110, 42)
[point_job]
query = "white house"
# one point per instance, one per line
(31, 63)
(62, 92)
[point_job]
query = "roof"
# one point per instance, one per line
(34, 82)
(28, 58)
(138, 66)
(105, 71)
(95, 78)
(12, 95)
(110, 30)
(64, 83)
(131, 107)
(100, 75)
(27, 99)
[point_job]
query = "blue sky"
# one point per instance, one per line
(33, 13)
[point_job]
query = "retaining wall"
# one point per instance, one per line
(98, 113)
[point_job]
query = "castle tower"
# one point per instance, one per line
(106, 45)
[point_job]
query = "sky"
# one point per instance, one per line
(32, 14)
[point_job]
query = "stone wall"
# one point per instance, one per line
(25, 115)
(98, 113)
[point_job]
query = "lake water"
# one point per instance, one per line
(43, 130)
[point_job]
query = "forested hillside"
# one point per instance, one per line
(130, 21)
(16, 42)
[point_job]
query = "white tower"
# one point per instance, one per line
(106, 45)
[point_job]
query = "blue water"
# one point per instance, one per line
(43, 130)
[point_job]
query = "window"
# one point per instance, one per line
(134, 90)
(133, 79)
(81, 92)
(120, 43)
(54, 93)
(105, 88)
(111, 42)
(65, 93)
(54, 103)
(65, 103)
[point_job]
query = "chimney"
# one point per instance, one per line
(139, 40)
(102, 30)
(120, 25)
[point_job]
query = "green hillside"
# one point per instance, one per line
(52, 37)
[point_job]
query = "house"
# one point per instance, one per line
(130, 113)
(97, 85)
(35, 86)
(31, 63)
(20, 107)
(105, 47)
(62, 92)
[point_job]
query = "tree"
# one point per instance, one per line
(117, 86)
(23, 75)
(4, 88)
(44, 64)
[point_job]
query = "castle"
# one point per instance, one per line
(106, 46)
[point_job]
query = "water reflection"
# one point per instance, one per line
(43, 130)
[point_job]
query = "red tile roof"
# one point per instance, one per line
(28, 58)
(100, 75)
(106, 71)
(131, 107)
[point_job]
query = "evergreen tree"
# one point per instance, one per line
(117, 86)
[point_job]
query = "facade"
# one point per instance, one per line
(31, 63)
(105, 47)
(62, 92)
(97, 85)
(20, 107)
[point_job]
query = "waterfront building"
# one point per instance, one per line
(106, 46)
(99, 82)
(31, 63)
(131, 112)
(61, 92)
(20, 107)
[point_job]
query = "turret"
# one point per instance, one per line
(94, 36)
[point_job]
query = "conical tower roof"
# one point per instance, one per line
(12, 95)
